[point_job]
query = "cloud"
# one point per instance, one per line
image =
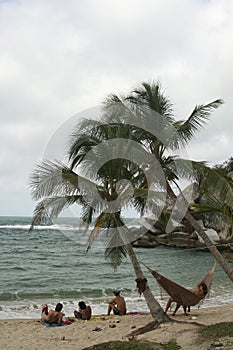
(59, 58)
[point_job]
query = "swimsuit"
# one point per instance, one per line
(78, 315)
(118, 312)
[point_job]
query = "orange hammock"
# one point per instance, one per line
(179, 294)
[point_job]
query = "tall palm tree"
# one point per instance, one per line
(149, 97)
(131, 142)
(99, 190)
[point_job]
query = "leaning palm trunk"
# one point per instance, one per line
(209, 244)
(156, 310)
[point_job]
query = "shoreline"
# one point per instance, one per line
(30, 334)
(24, 311)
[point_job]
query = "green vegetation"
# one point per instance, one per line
(171, 346)
(214, 332)
(135, 345)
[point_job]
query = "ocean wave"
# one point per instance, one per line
(61, 294)
(31, 308)
(52, 265)
(54, 227)
(42, 227)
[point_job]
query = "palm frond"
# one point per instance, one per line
(51, 178)
(215, 183)
(212, 182)
(201, 113)
(96, 229)
(111, 100)
(214, 207)
(87, 215)
(51, 207)
(80, 147)
(55, 178)
(180, 168)
(150, 95)
(116, 255)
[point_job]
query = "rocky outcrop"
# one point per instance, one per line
(146, 241)
(180, 239)
(174, 239)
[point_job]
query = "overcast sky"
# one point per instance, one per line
(59, 58)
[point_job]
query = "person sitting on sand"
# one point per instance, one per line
(117, 304)
(84, 312)
(52, 316)
(201, 291)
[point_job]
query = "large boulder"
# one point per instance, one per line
(146, 241)
(212, 234)
(182, 243)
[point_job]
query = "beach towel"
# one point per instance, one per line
(46, 324)
(142, 313)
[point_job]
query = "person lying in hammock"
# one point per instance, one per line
(201, 291)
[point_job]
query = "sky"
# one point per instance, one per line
(59, 59)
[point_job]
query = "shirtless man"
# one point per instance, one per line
(117, 304)
(84, 312)
(201, 291)
(52, 316)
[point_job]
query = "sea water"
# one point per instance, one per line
(51, 264)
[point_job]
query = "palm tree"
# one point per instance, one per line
(99, 191)
(215, 203)
(226, 168)
(132, 142)
(149, 97)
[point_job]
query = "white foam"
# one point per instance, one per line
(32, 308)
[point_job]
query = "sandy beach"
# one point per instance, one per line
(30, 334)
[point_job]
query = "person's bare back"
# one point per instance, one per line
(117, 304)
(84, 312)
(53, 316)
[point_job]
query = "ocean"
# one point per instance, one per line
(51, 264)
